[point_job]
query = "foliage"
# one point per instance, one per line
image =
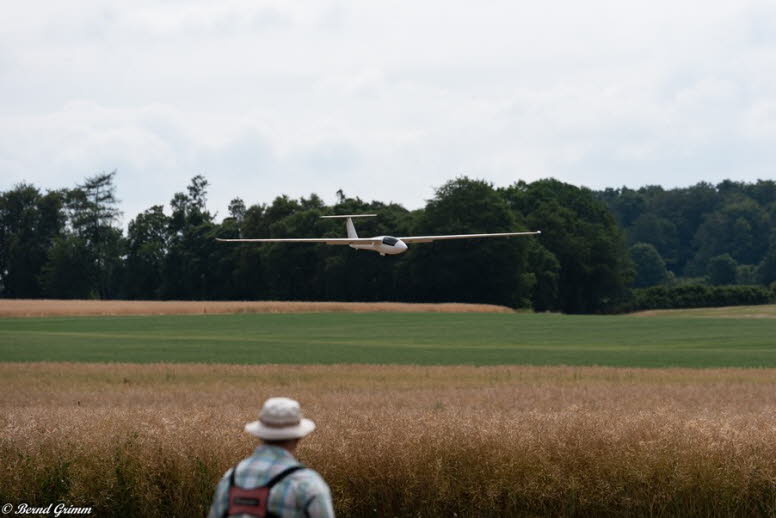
(650, 268)
(698, 295)
(722, 270)
(30, 224)
(470, 270)
(70, 271)
(93, 214)
(68, 243)
(746, 274)
(766, 271)
(690, 226)
(63, 243)
(579, 232)
(147, 246)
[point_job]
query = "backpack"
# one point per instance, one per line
(253, 502)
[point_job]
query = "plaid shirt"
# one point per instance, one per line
(303, 493)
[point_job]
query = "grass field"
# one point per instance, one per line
(397, 338)
(152, 440)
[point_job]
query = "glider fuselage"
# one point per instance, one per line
(388, 246)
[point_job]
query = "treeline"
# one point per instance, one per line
(67, 243)
(614, 250)
(718, 235)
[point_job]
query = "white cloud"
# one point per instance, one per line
(385, 101)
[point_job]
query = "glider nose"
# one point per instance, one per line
(401, 246)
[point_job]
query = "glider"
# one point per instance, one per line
(384, 245)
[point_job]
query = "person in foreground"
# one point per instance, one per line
(271, 482)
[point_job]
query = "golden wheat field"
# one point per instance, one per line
(761, 311)
(10, 308)
(152, 440)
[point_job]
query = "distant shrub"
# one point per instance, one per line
(698, 296)
(746, 274)
(722, 270)
(650, 267)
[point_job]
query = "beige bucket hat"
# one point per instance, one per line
(280, 419)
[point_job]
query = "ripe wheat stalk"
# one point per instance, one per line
(152, 440)
(10, 308)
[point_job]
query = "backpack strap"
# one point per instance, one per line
(230, 486)
(283, 474)
(274, 480)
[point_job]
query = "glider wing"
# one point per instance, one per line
(328, 241)
(428, 239)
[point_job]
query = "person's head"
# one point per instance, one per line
(286, 444)
(280, 423)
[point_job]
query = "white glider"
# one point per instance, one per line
(384, 245)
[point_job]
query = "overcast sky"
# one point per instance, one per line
(384, 100)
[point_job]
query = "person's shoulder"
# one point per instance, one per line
(308, 478)
(227, 474)
(256, 470)
(309, 487)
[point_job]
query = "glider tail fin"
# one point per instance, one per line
(349, 223)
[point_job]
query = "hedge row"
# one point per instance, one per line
(699, 295)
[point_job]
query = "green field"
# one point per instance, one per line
(429, 338)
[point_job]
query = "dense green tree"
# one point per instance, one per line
(650, 268)
(197, 193)
(93, 215)
(93, 206)
(470, 270)
(355, 275)
(737, 229)
(667, 219)
(281, 207)
(658, 232)
(689, 226)
(70, 271)
(746, 274)
(237, 210)
(626, 204)
(687, 208)
(248, 275)
(147, 246)
(192, 232)
(762, 191)
(766, 271)
(69, 232)
(545, 272)
(254, 224)
(29, 223)
(582, 235)
(293, 270)
(722, 270)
